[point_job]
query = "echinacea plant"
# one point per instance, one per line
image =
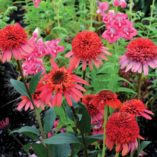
(71, 77)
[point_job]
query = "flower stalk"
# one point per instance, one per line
(139, 84)
(37, 113)
(82, 134)
(106, 110)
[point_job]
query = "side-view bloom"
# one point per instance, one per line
(106, 97)
(27, 104)
(137, 108)
(122, 130)
(14, 43)
(141, 53)
(59, 82)
(87, 48)
(94, 112)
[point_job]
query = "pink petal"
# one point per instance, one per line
(68, 99)
(145, 68)
(84, 65)
(69, 54)
(79, 87)
(59, 99)
(6, 56)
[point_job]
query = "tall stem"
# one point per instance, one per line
(117, 155)
(152, 8)
(132, 154)
(82, 134)
(105, 122)
(131, 7)
(139, 84)
(37, 114)
(92, 12)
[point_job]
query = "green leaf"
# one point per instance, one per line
(26, 129)
(62, 150)
(19, 86)
(62, 138)
(34, 82)
(143, 145)
(39, 149)
(126, 90)
(49, 119)
(84, 123)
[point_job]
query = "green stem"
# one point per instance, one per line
(132, 154)
(82, 134)
(117, 155)
(37, 114)
(92, 12)
(131, 4)
(105, 122)
(139, 84)
(152, 7)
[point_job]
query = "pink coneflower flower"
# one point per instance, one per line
(27, 104)
(137, 108)
(106, 97)
(141, 54)
(122, 130)
(102, 7)
(13, 42)
(121, 3)
(59, 82)
(88, 49)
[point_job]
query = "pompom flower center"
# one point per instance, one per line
(141, 50)
(87, 45)
(122, 128)
(12, 37)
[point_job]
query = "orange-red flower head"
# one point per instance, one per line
(106, 97)
(137, 108)
(87, 47)
(59, 82)
(93, 110)
(122, 130)
(13, 42)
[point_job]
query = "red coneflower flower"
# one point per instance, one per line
(137, 108)
(94, 112)
(88, 48)
(122, 130)
(59, 82)
(13, 42)
(27, 104)
(141, 53)
(106, 97)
